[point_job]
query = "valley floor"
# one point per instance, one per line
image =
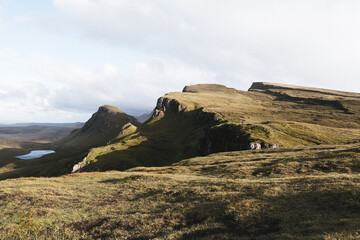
(296, 193)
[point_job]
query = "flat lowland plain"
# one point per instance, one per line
(36, 133)
(290, 193)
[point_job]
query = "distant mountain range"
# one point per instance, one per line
(144, 117)
(76, 124)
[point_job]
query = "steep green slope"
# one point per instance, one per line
(209, 118)
(288, 193)
(161, 141)
(103, 126)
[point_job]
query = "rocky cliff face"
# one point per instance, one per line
(164, 104)
(230, 137)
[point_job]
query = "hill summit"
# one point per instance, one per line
(208, 88)
(104, 125)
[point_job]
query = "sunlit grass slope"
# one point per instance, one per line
(210, 118)
(103, 126)
(289, 193)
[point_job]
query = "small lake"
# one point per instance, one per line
(35, 154)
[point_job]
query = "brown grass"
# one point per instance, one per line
(297, 193)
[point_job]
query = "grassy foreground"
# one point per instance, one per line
(295, 193)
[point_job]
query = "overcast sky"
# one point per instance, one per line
(61, 59)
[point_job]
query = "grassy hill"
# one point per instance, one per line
(209, 118)
(104, 125)
(289, 193)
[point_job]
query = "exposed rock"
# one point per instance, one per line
(230, 137)
(76, 168)
(165, 104)
(271, 145)
(203, 115)
(255, 146)
(227, 137)
(157, 113)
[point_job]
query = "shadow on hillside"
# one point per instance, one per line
(303, 208)
(55, 164)
(7, 155)
(170, 139)
(334, 104)
(167, 142)
(174, 137)
(339, 161)
(304, 213)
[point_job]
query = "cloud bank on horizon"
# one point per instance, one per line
(61, 59)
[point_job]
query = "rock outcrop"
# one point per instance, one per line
(230, 137)
(165, 104)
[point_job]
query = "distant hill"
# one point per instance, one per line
(76, 124)
(104, 125)
(208, 118)
(144, 117)
(37, 133)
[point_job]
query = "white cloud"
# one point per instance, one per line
(76, 90)
(80, 88)
(305, 42)
(174, 43)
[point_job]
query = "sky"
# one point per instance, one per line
(62, 59)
